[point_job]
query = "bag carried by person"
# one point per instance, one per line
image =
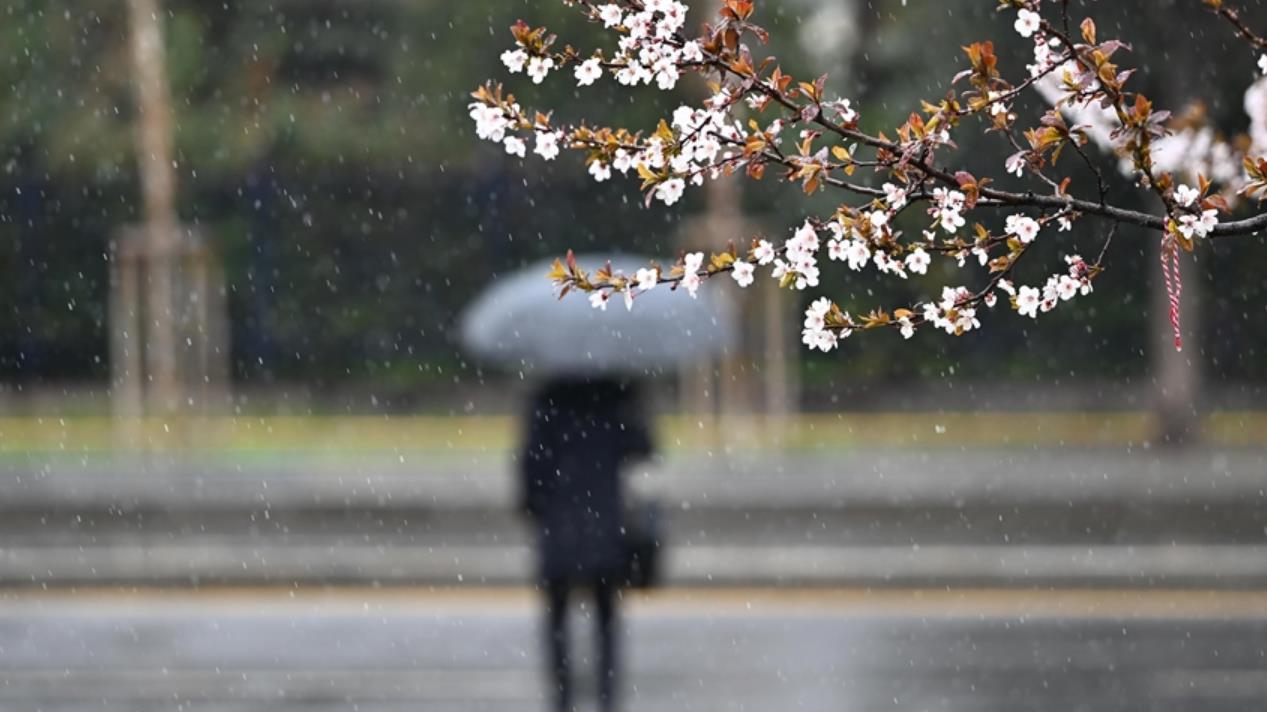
(643, 541)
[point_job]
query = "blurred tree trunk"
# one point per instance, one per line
(702, 385)
(759, 377)
(158, 190)
(779, 356)
(1177, 374)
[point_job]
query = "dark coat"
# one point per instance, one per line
(579, 436)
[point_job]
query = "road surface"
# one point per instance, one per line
(475, 650)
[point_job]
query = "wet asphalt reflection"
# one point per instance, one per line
(375, 651)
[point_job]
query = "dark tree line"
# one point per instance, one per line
(325, 148)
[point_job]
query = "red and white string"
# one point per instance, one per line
(1174, 283)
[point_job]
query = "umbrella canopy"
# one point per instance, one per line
(521, 324)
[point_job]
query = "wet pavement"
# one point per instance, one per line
(380, 650)
(877, 516)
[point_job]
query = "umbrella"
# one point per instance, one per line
(521, 324)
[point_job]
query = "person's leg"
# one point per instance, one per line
(606, 599)
(556, 591)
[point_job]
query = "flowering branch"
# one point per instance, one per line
(732, 132)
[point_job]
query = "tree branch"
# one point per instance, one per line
(1233, 16)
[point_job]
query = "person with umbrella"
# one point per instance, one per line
(584, 425)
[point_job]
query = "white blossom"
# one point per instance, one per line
(1080, 272)
(670, 191)
(1027, 302)
(814, 321)
(639, 25)
(918, 261)
(515, 146)
(815, 334)
(632, 73)
(953, 301)
(514, 59)
(843, 108)
(952, 296)
(547, 145)
(622, 161)
(674, 17)
(806, 275)
(611, 15)
(888, 265)
(588, 72)
(802, 250)
(691, 52)
(742, 273)
(1067, 287)
(1042, 57)
(966, 321)
(894, 196)
(820, 339)
(947, 209)
(907, 328)
(684, 118)
(997, 107)
(763, 252)
(666, 75)
(1027, 22)
(539, 67)
(932, 314)
(600, 171)
(1023, 227)
(1186, 195)
(705, 149)
(1051, 294)
(1198, 226)
(1015, 164)
(950, 219)
(720, 99)
(490, 121)
(691, 282)
(857, 254)
(806, 236)
(599, 299)
(646, 279)
(836, 249)
(690, 276)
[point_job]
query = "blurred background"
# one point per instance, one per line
(245, 462)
